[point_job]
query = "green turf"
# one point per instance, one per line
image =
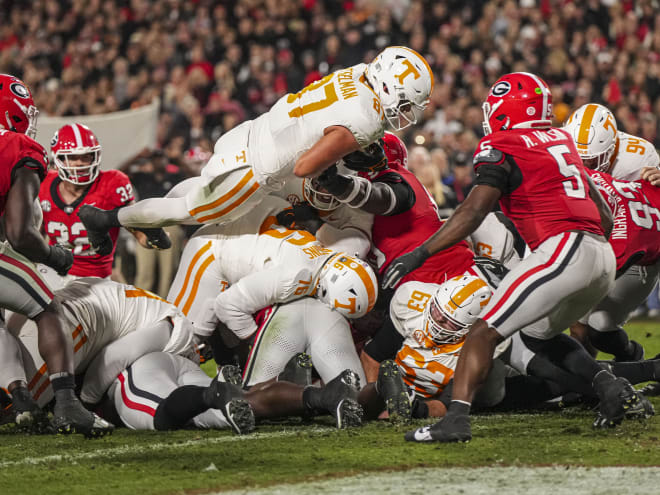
(198, 462)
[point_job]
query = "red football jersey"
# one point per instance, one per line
(636, 210)
(549, 193)
(18, 150)
(110, 190)
(395, 235)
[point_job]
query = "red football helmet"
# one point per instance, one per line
(518, 100)
(76, 140)
(17, 110)
(395, 149)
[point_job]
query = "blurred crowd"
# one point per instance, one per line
(215, 63)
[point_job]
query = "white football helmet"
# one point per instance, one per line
(454, 307)
(316, 196)
(348, 285)
(593, 128)
(403, 81)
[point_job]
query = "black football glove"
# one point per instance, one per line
(60, 259)
(370, 160)
(336, 184)
(301, 216)
(403, 265)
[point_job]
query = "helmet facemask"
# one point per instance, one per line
(78, 174)
(440, 328)
(316, 196)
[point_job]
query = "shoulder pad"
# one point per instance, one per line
(490, 156)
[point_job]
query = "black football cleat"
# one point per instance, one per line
(617, 397)
(28, 416)
(229, 400)
(393, 391)
(339, 397)
(230, 373)
(298, 370)
(72, 417)
(97, 224)
(451, 428)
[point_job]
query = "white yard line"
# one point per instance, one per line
(137, 449)
(558, 480)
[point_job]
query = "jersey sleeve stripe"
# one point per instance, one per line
(195, 286)
(191, 267)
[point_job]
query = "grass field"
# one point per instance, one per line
(527, 453)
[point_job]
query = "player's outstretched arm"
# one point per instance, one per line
(336, 142)
(465, 220)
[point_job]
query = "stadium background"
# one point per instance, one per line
(200, 67)
(204, 66)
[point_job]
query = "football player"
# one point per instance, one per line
(405, 214)
(23, 167)
(636, 242)
(535, 173)
(302, 134)
(108, 325)
(165, 392)
(232, 271)
(604, 148)
(76, 180)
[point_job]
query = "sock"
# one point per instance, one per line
(615, 343)
(63, 386)
(635, 371)
(179, 407)
(459, 408)
(312, 399)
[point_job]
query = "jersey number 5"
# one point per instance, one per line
(574, 187)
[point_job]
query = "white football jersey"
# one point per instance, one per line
(426, 367)
(633, 154)
(297, 121)
(493, 240)
(95, 313)
(246, 266)
(344, 229)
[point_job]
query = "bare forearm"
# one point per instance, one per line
(30, 244)
(462, 223)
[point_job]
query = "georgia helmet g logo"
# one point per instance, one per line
(53, 140)
(19, 90)
(501, 88)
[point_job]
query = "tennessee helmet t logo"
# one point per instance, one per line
(411, 69)
(350, 306)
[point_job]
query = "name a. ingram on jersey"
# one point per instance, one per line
(346, 83)
(316, 251)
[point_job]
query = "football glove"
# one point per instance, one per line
(403, 265)
(302, 216)
(336, 184)
(370, 160)
(60, 259)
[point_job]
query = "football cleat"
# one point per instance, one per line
(651, 390)
(230, 373)
(228, 398)
(298, 370)
(72, 417)
(339, 397)
(451, 428)
(392, 390)
(617, 397)
(28, 416)
(95, 221)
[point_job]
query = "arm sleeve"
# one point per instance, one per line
(385, 343)
(119, 355)
(235, 306)
(496, 169)
(401, 194)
